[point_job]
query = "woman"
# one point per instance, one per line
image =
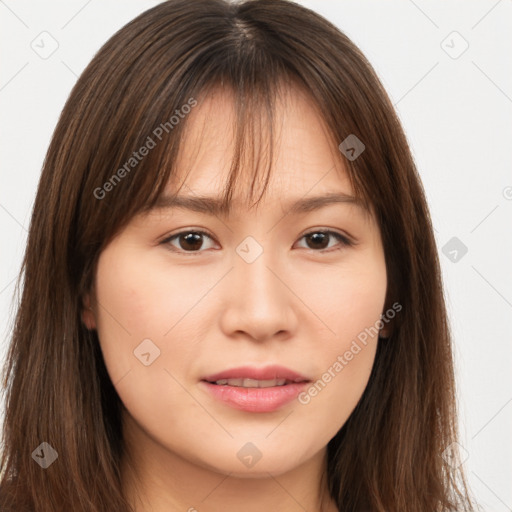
(180, 346)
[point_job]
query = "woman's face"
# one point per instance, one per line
(254, 291)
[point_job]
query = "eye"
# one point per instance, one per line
(320, 239)
(188, 241)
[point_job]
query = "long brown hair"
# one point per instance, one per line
(389, 455)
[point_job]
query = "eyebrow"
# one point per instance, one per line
(212, 205)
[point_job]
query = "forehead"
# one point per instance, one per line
(296, 142)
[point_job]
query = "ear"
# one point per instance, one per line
(385, 332)
(388, 321)
(88, 317)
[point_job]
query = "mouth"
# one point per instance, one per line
(255, 390)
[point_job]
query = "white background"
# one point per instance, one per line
(456, 113)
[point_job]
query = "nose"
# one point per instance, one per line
(259, 302)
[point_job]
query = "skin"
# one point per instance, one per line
(298, 304)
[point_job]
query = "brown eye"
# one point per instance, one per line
(190, 241)
(319, 240)
(187, 241)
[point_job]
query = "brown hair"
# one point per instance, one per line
(389, 454)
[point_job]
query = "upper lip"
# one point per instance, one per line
(250, 372)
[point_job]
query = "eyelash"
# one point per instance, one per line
(344, 241)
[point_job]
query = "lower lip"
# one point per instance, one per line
(255, 399)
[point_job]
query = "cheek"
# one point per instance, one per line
(141, 302)
(142, 297)
(346, 298)
(350, 305)
(131, 307)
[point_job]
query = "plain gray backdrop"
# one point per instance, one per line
(446, 67)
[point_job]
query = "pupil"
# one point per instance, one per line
(319, 237)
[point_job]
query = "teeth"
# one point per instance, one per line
(251, 383)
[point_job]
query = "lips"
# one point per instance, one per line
(253, 376)
(255, 390)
